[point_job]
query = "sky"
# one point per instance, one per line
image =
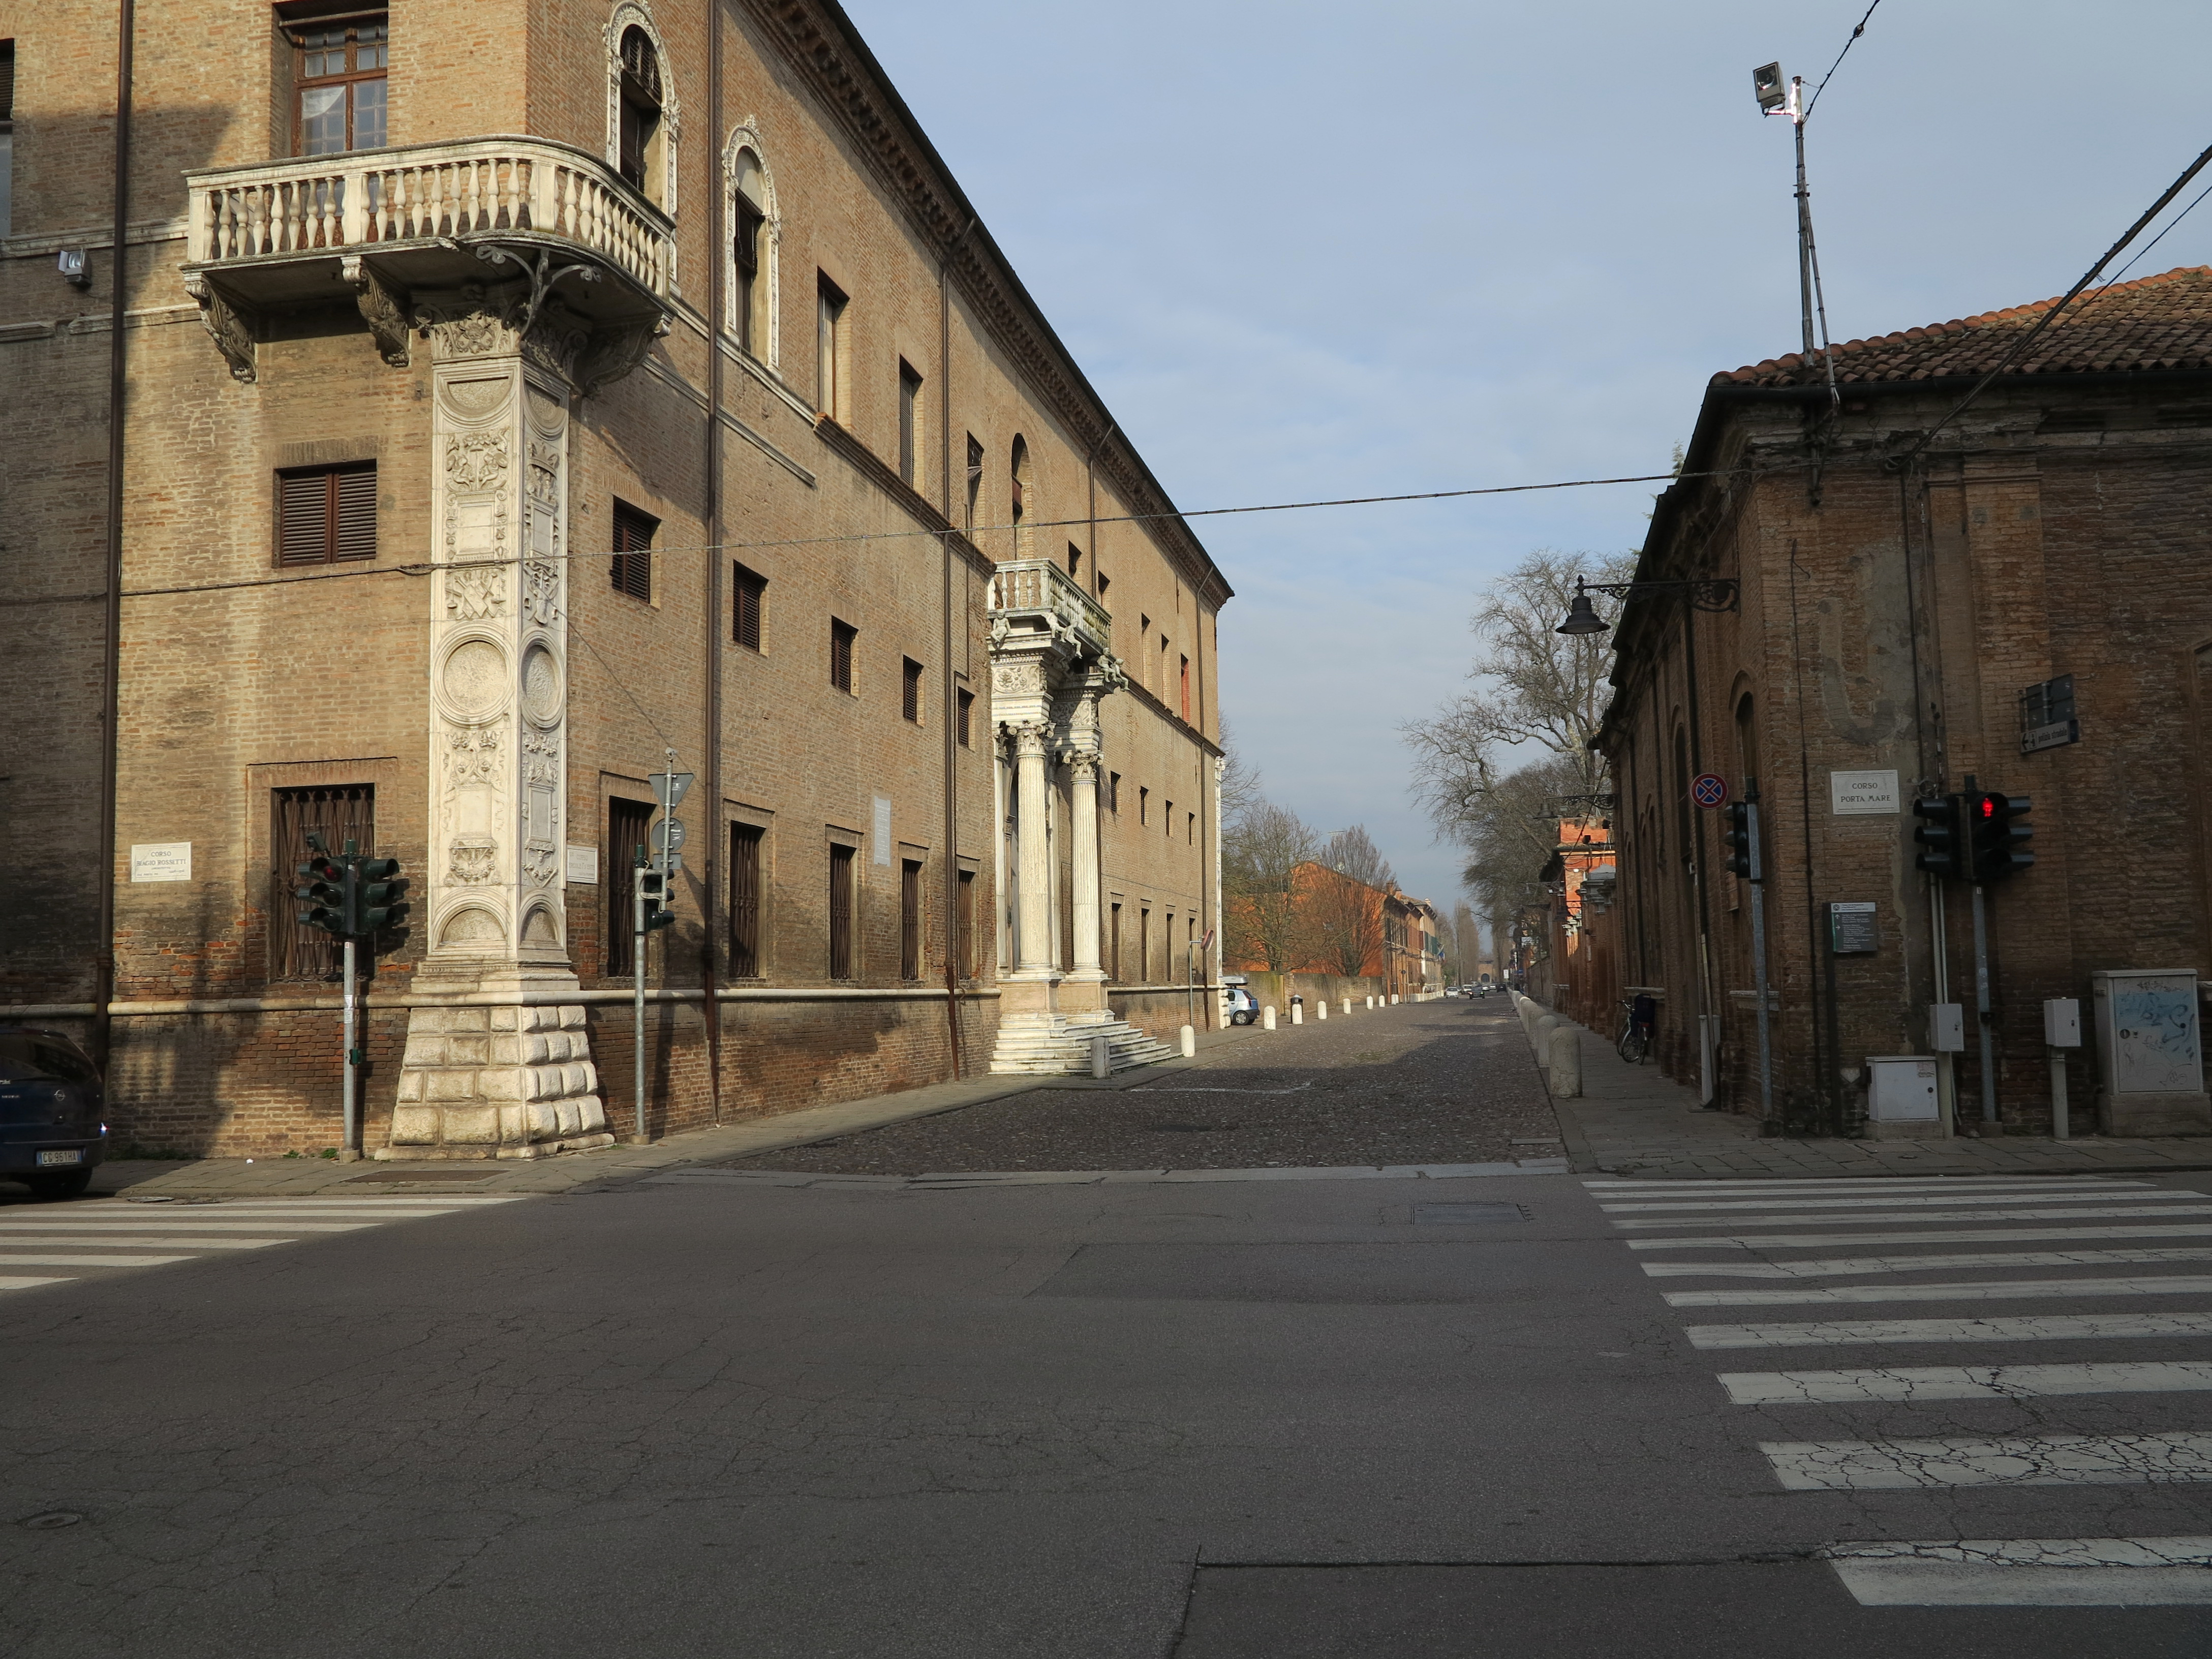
(1309, 251)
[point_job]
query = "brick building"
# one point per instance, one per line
(1905, 595)
(521, 400)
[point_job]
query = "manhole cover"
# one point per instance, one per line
(47, 1520)
(412, 1174)
(1467, 1215)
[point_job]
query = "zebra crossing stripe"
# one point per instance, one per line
(1918, 1216)
(1966, 1383)
(1842, 1267)
(2028, 1328)
(2053, 1460)
(1909, 1183)
(28, 1284)
(1988, 1236)
(12, 1260)
(2051, 1572)
(2002, 1290)
(170, 1223)
(1905, 1201)
(139, 1241)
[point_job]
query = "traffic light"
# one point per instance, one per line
(1738, 838)
(654, 885)
(2001, 834)
(321, 893)
(1944, 848)
(377, 895)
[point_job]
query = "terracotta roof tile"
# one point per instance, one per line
(2162, 322)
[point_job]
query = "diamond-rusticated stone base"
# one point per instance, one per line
(496, 1082)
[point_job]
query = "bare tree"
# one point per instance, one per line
(1240, 782)
(1354, 853)
(1344, 902)
(1261, 848)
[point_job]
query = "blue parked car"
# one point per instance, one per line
(50, 1106)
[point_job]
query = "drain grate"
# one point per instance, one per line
(1467, 1215)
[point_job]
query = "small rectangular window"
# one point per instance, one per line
(339, 813)
(629, 824)
(1104, 582)
(974, 480)
(1144, 946)
(1114, 793)
(749, 591)
(7, 132)
(910, 690)
(1075, 562)
(909, 425)
(630, 569)
(744, 902)
(751, 334)
(841, 636)
(829, 348)
(1144, 805)
(966, 914)
(1190, 827)
(1113, 943)
(909, 918)
(1167, 817)
(327, 515)
(841, 912)
(967, 719)
(1185, 683)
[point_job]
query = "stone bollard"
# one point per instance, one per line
(1267, 1017)
(1394, 998)
(1298, 1013)
(1565, 1077)
(1102, 1057)
(1370, 1002)
(1347, 1007)
(1539, 1038)
(1189, 1043)
(1320, 1009)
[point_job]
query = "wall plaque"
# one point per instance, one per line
(1853, 794)
(1851, 931)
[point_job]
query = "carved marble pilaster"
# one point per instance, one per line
(502, 1066)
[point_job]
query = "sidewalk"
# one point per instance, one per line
(238, 1177)
(1630, 1120)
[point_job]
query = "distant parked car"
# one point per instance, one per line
(50, 1106)
(1242, 1010)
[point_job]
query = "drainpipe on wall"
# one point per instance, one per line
(103, 993)
(710, 1005)
(951, 863)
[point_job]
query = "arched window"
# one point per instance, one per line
(642, 112)
(1021, 503)
(750, 195)
(641, 107)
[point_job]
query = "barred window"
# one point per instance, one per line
(339, 812)
(629, 826)
(327, 515)
(744, 901)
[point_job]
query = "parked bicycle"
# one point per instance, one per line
(1638, 1019)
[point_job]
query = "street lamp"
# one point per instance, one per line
(1716, 594)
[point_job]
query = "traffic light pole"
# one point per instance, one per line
(1981, 1008)
(351, 1147)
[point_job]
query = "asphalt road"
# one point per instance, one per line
(1212, 1415)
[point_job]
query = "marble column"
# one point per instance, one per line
(1082, 811)
(1033, 862)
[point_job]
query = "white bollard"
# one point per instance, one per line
(1298, 1013)
(1320, 1009)
(1566, 1070)
(1347, 1007)
(1267, 1017)
(1189, 1043)
(1394, 998)
(1102, 1057)
(1370, 1002)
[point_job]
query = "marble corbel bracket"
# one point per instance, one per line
(230, 326)
(383, 307)
(615, 352)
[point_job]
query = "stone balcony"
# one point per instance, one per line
(380, 227)
(1036, 598)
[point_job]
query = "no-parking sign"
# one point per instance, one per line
(1709, 789)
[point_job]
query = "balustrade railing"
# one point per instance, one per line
(365, 198)
(1042, 585)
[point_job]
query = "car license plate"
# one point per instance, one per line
(72, 1155)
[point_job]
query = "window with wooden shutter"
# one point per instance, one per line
(749, 591)
(910, 690)
(967, 719)
(341, 812)
(966, 914)
(909, 918)
(327, 515)
(744, 902)
(631, 568)
(841, 913)
(842, 637)
(629, 826)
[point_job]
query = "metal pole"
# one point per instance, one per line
(637, 975)
(2059, 1128)
(351, 1137)
(1758, 964)
(1804, 239)
(1982, 1009)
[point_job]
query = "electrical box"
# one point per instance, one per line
(1901, 1088)
(2062, 1023)
(1947, 1028)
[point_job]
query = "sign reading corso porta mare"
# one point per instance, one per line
(1862, 794)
